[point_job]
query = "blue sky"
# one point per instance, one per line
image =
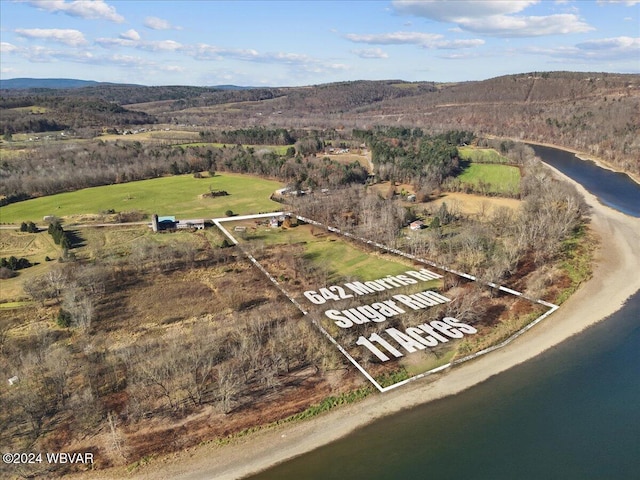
(284, 43)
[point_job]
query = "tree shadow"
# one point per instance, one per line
(75, 239)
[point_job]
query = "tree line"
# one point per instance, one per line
(409, 155)
(61, 113)
(71, 167)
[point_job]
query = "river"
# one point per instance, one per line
(571, 413)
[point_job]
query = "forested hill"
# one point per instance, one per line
(597, 113)
(53, 83)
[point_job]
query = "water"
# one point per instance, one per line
(617, 190)
(571, 413)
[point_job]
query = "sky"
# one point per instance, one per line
(293, 43)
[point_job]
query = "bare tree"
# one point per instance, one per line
(228, 385)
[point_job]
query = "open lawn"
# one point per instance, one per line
(338, 256)
(176, 195)
(500, 179)
(481, 155)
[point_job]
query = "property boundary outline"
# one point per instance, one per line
(552, 307)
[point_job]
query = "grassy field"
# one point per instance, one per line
(154, 135)
(35, 109)
(501, 179)
(339, 257)
(176, 195)
(32, 246)
(481, 155)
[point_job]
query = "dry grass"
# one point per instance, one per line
(35, 247)
(469, 204)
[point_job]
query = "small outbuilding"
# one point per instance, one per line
(191, 224)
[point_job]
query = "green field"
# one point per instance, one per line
(500, 179)
(176, 195)
(339, 257)
(481, 155)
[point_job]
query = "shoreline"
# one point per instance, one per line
(616, 263)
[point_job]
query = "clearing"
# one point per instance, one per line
(492, 178)
(176, 195)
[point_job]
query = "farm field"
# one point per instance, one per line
(154, 135)
(176, 195)
(481, 155)
(499, 179)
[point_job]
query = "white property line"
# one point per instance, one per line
(551, 306)
(218, 222)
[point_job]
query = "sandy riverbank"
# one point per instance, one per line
(615, 279)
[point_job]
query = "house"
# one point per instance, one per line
(417, 225)
(411, 197)
(189, 224)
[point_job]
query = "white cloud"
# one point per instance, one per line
(131, 42)
(90, 10)
(628, 3)
(126, 61)
(130, 35)
(449, 11)
(519, 26)
(605, 49)
(395, 38)
(625, 45)
(426, 40)
(202, 51)
(302, 62)
(163, 45)
(116, 42)
(155, 23)
(69, 37)
(6, 47)
(456, 44)
(46, 54)
(370, 53)
(172, 68)
(493, 17)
